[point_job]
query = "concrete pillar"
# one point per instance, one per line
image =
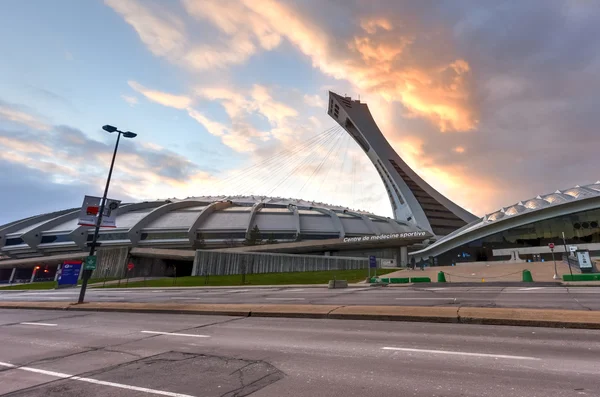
(403, 260)
(33, 274)
(12, 275)
(58, 269)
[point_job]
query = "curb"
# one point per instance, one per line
(462, 315)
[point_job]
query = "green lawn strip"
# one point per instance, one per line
(99, 280)
(35, 285)
(323, 277)
(47, 284)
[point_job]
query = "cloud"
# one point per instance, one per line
(372, 25)
(67, 158)
(163, 98)
(17, 114)
(426, 70)
(315, 101)
(239, 134)
(131, 100)
(213, 127)
(161, 31)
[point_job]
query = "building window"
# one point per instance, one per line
(14, 241)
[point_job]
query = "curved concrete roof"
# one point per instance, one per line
(560, 202)
(177, 223)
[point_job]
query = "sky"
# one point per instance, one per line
(490, 102)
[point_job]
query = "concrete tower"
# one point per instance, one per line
(412, 198)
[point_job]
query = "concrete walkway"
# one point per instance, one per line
(489, 271)
(465, 315)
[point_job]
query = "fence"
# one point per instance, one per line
(217, 263)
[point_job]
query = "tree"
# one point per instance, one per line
(271, 239)
(254, 237)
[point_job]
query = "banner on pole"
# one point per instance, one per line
(90, 210)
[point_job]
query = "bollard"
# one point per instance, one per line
(527, 276)
(441, 277)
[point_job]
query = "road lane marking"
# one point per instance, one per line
(458, 353)
(42, 324)
(530, 288)
(293, 290)
(285, 299)
(174, 334)
(425, 299)
(184, 298)
(94, 381)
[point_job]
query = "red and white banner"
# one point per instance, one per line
(90, 209)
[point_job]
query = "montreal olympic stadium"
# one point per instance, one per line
(203, 235)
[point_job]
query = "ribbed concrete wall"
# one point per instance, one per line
(111, 262)
(217, 263)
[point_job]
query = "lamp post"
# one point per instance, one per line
(87, 273)
(567, 253)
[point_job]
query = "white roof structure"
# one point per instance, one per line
(182, 223)
(558, 203)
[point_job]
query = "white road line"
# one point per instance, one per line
(458, 353)
(94, 381)
(285, 299)
(434, 289)
(293, 290)
(183, 298)
(425, 299)
(174, 334)
(42, 324)
(530, 288)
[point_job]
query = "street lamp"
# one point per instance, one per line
(88, 273)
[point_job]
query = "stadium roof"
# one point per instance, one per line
(218, 221)
(560, 202)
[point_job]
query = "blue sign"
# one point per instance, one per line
(372, 262)
(69, 273)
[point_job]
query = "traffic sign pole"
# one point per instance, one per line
(88, 273)
(551, 246)
(567, 253)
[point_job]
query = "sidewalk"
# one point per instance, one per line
(462, 315)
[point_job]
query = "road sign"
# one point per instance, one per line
(583, 257)
(69, 273)
(372, 262)
(130, 266)
(572, 248)
(551, 246)
(90, 263)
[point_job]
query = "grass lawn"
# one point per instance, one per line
(39, 285)
(352, 276)
(48, 284)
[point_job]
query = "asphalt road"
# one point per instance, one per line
(556, 297)
(51, 353)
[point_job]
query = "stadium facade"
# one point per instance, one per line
(157, 235)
